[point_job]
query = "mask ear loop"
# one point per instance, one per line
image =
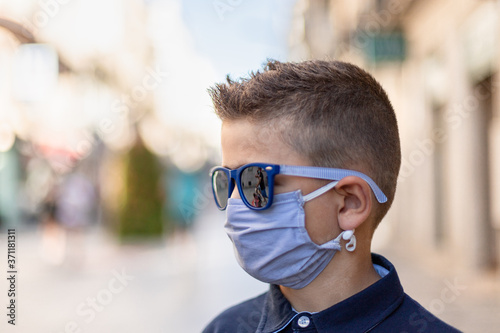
(347, 234)
(320, 191)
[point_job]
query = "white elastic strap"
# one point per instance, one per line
(320, 191)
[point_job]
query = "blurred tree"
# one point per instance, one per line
(140, 214)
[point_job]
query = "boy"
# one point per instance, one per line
(328, 147)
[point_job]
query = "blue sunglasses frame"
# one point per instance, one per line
(234, 176)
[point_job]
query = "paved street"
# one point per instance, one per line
(179, 285)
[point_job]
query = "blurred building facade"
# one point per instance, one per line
(439, 63)
(84, 84)
(70, 91)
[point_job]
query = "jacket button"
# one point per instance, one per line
(304, 321)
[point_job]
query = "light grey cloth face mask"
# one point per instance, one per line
(273, 245)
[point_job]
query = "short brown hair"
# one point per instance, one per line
(332, 112)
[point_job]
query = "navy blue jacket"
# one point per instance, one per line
(382, 307)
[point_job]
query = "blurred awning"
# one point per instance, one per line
(24, 36)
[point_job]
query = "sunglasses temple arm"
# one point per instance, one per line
(331, 174)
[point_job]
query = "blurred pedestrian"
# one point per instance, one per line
(76, 201)
(53, 235)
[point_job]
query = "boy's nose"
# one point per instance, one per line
(234, 191)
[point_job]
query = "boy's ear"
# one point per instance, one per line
(355, 203)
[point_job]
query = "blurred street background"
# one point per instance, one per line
(107, 134)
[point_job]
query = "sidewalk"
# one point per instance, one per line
(172, 286)
(179, 285)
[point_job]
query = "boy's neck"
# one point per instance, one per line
(346, 275)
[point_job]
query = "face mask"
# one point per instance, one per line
(273, 245)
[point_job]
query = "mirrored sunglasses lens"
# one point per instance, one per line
(255, 186)
(220, 184)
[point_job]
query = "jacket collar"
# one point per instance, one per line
(360, 312)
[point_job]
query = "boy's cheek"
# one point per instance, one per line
(280, 185)
(285, 188)
(279, 189)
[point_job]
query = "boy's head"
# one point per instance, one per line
(329, 113)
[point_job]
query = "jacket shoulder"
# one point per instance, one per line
(410, 316)
(243, 317)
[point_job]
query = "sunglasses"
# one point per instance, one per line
(255, 182)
